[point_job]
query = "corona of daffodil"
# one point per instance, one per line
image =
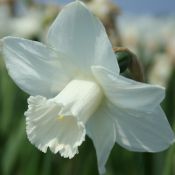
(76, 89)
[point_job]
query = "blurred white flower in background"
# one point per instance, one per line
(76, 89)
(160, 70)
(104, 9)
(108, 12)
(29, 25)
(170, 49)
(18, 21)
(5, 28)
(150, 38)
(163, 65)
(151, 31)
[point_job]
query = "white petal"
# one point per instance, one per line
(142, 131)
(127, 93)
(35, 68)
(101, 130)
(79, 34)
(45, 128)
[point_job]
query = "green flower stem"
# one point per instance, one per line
(170, 96)
(169, 159)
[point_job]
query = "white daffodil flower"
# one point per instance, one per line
(76, 89)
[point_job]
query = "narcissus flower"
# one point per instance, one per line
(76, 89)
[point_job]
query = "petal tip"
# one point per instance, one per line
(76, 3)
(102, 170)
(173, 139)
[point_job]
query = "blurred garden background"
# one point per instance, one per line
(147, 28)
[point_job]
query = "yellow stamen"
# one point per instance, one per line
(60, 117)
